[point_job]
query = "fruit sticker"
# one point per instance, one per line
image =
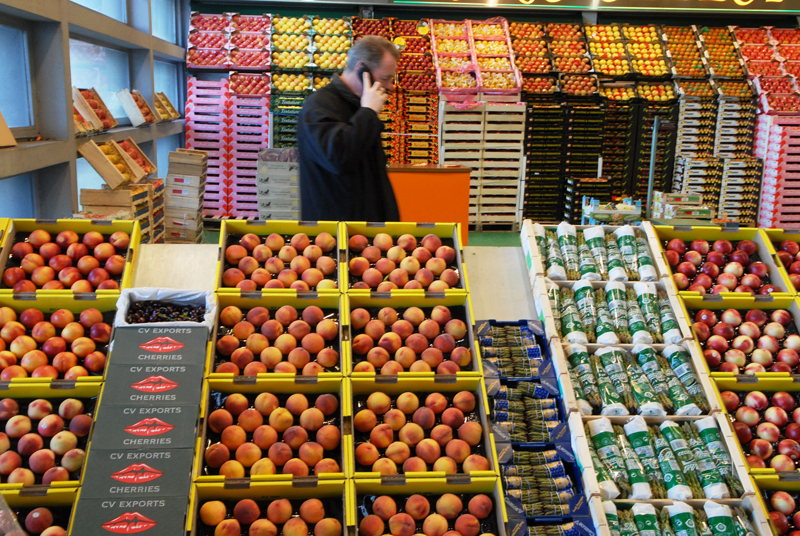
(137, 473)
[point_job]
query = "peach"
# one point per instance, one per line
(9, 461)
(22, 345)
(310, 453)
(294, 436)
(38, 520)
(446, 465)
(428, 450)
(445, 343)
(432, 356)
(449, 506)
(358, 265)
(63, 442)
(228, 527)
(279, 454)
(312, 369)
(379, 403)
(395, 418)
(367, 454)
(7, 357)
(216, 454)
(272, 329)
(31, 261)
(82, 346)
(384, 466)
(378, 357)
(5, 443)
(418, 343)
(86, 265)
(458, 450)
(59, 262)
(372, 277)
(250, 419)
(264, 466)
(230, 316)
(357, 242)
(81, 425)
(54, 346)
(297, 403)
(390, 342)
(468, 525)
(398, 452)
(461, 356)
(42, 275)
(442, 434)
(42, 460)
(271, 357)
(471, 432)
(286, 315)
(407, 403)
(227, 344)
(274, 266)
(384, 507)
(425, 418)
(327, 527)
(45, 371)
(402, 525)
(381, 436)
(364, 366)
(241, 357)
(424, 277)
(30, 443)
(266, 403)
(100, 332)
(70, 407)
(243, 329)
(475, 462)
(20, 249)
(233, 437)
(465, 401)
(328, 357)
(236, 403)
(480, 506)
(312, 511)
(453, 417)
(261, 277)
(15, 371)
(405, 357)
(256, 343)
(327, 329)
(285, 368)
(55, 474)
(396, 254)
(300, 265)
(39, 409)
(248, 454)
(327, 465)
(411, 434)
(327, 404)
(391, 368)
(11, 331)
(312, 419)
(385, 266)
(435, 525)
(212, 513)
(371, 525)
(219, 420)
(365, 420)
(362, 344)
(414, 465)
(436, 402)
(359, 318)
(279, 511)
(115, 265)
(326, 265)
(285, 343)
(265, 436)
(295, 467)
(298, 357)
(375, 329)
(74, 372)
(287, 253)
(429, 329)
(17, 426)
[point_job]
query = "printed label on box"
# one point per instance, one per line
(154, 517)
(138, 473)
(129, 427)
(148, 384)
(137, 345)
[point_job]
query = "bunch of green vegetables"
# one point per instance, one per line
(678, 518)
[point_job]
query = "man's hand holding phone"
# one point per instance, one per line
(373, 95)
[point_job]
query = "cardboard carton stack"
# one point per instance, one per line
(680, 206)
(130, 202)
(278, 184)
(185, 186)
(157, 219)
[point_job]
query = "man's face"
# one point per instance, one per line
(385, 74)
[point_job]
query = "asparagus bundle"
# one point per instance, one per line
(712, 439)
(596, 242)
(571, 325)
(674, 480)
(611, 517)
(605, 331)
(538, 502)
(681, 364)
(580, 365)
(541, 240)
(555, 262)
(637, 324)
(567, 529)
(616, 265)
(626, 241)
(647, 297)
(607, 484)
(568, 242)
(669, 324)
(583, 294)
(637, 433)
(617, 300)
(533, 458)
(636, 472)
(584, 407)
(553, 296)
(685, 457)
(711, 479)
(650, 378)
(677, 392)
(611, 401)
(612, 361)
(601, 433)
(647, 270)
(666, 524)
(587, 266)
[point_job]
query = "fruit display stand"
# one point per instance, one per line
(328, 458)
(233, 352)
(447, 321)
(275, 502)
(19, 230)
(778, 284)
(328, 243)
(474, 453)
(441, 240)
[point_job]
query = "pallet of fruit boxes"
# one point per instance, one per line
(491, 47)
(114, 244)
(451, 45)
(431, 251)
(740, 252)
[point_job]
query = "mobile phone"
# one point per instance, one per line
(365, 69)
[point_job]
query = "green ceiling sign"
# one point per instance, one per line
(727, 6)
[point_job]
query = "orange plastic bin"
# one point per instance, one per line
(432, 194)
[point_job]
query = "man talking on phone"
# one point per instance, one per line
(342, 162)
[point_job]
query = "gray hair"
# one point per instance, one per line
(370, 51)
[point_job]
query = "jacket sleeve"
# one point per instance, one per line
(335, 143)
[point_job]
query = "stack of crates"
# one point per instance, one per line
(740, 190)
(665, 149)
(418, 114)
(736, 121)
(701, 176)
(461, 143)
(130, 202)
(392, 125)
(545, 138)
(184, 196)
(778, 143)
(502, 164)
(157, 214)
(207, 105)
(249, 132)
(697, 118)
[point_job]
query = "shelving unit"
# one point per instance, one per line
(52, 162)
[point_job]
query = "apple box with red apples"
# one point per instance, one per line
(92, 108)
(112, 163)
(136, 108)
(718, 260)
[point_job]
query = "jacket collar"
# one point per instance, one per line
(345, 92)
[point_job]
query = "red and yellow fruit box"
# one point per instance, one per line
(92, 108)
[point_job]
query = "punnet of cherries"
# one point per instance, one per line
(149, 311)
(718, 267)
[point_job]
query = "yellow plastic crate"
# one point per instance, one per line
(777, 236)
(777, 275)
(742, 304)
(424, 301)
(4, 222)
(432, 487)
(748, 384)
(265, 492)
(49, 301)
(266, 228)
(773, 482)
(394, 386)
(449, 232)
(24, 227)
(24, 500)
(272, 302)
(308, 385)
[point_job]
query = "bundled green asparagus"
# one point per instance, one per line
(616, 265)
(568, 242)
(626, 241)
(571, 325)
(587, 266)
(555, 261)
(596, 242)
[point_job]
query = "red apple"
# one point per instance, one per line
(687, 268)
(731, 316)
(681, 281)
(748, 246)
(700, 246)
(727, 280)
(781, 316)
(756, 400)
(734, 268)
(776, 416)
(706, 316)
(756, 316)
(677, 245)
(743, 432)
(785, 258)
(713, 359)
(741, 257)
(723, 246)
(790, 247)
(703, 280)
(762, 447)
(759, 269)
(701, 331)
(716, 257)
(693, 257)
(730, 400)
(725, 331)
(710, 269)
(673, 258)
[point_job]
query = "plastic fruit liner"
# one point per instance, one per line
(217, 401)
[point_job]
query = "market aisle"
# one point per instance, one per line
(499, 286)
